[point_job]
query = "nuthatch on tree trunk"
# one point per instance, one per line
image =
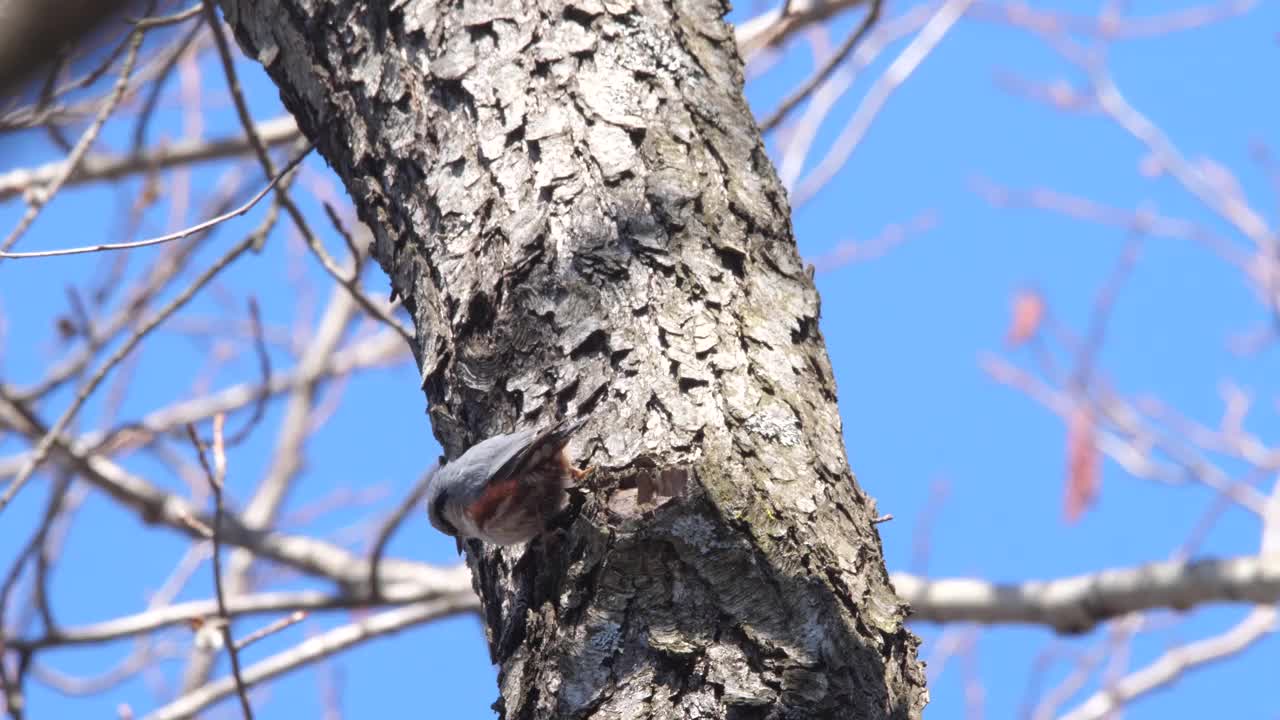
(505, 489)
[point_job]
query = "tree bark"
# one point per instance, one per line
(575, 203)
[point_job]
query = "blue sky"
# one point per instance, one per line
(905, 333)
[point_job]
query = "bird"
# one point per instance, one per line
(505, 489)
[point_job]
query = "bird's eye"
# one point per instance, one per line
(437, 509)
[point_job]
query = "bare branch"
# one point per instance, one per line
(163, 272)
(292, 618)
(801, 134)
(1077, 604)
(1261, 621)
(1145, 220)
(287, 455)
(391, 525)
(264, 369)
(217, 481)
(259, 148)
(82, 395)
(307, 554)
(170, 237)
(820, 77)
(1131, 445)
(1173, 663)
(897, 73)
(37, 201)
(1230, 206)
(279, 131)
(1111, 26)
(376, 350)
(315, 648)
(144, 655)
(173, 19)
(157, 506)
(453, 584)
(848, 251)
(771, 28)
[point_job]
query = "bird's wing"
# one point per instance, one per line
(541, 447)
(483, 508)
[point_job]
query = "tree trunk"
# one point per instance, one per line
(575, 203)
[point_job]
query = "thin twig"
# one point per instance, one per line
(53, 539)
(313, 649)
(143, 656)
(898, 71)
(47, 95)
(217, 480)
(82, 395)
(456, 584)
(233, 85)
(389, 528)
(1101, 315)
(351, 284)
(178, 17)
(819, 77)
(147, 111)
(42, 198)
(99, 70)
(292, 618)
(100, 166)
(378, 350)
(309, 555)
(178, 235)
(356, 255)
(165, 270)
(264, 371)
(12, 689)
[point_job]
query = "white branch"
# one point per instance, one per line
(878, 95)
(380, 349)
(314, 649)
(1079, 603)
(158, 506)
(773, 27)
(1175, 662)
(109, 167)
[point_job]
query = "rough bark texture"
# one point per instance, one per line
(576, 205)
